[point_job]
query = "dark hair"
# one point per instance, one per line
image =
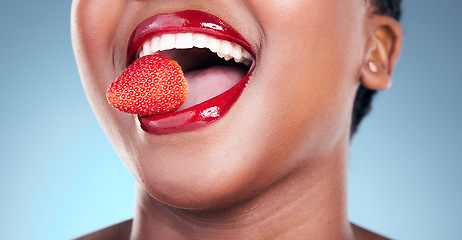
(364, 96)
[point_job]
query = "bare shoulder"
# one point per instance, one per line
(118, 231)
(363, 234)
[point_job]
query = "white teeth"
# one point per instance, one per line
(184, 40)
(146, 46)
(237, 53)
(200, 40)
(142, 53)
(246, 55)
(225, 50)
(167, 41)
(155, 45)
(213, 45)
(222, 48)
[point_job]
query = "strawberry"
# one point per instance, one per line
(153, 84)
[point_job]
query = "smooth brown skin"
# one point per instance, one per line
(275, 166)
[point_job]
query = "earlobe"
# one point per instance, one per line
(384, 46)
(375, 76)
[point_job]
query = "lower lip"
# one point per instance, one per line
(198, 116)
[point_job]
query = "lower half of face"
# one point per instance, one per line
(295, 110)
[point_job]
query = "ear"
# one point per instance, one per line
(383, 47)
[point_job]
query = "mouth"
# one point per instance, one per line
(216, 59)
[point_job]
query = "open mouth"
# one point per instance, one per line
(217, 62)
(211, 66)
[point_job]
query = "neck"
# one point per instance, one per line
(310, 204)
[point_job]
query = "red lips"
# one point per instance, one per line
(209, 111)
(188, 21)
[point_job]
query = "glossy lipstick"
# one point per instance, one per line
(207, 112)
(188, 21)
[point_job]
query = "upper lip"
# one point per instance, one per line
(187, 21)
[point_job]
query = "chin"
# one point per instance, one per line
(204, 186)
(206, 174)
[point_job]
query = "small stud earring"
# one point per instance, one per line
(373, 67)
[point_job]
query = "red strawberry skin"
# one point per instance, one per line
(153, 84)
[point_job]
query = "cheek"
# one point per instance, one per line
(95, 21)
(309, 64)
(327, 33)
(94, 30)
(93, 27)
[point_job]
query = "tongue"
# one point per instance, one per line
(207, 83)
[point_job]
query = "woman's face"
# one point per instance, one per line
(293, 115)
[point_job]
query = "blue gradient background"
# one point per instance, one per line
(59, 183)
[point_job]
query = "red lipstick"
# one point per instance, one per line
(205, 113)
(194, 117)
(188, 21)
